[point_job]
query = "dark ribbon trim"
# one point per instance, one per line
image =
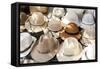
(27, 48)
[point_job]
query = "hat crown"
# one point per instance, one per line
(71, 47)
(72, 28)
(46, 44)
(88, 19)
(37, 18)
(54, 25)
(25, 41)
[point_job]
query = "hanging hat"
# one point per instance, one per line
(26, 43)
(70, 17)
(36, 22)
(71, 50)
(71, 30)
(46, 49)
(42, 9)
(58, 12)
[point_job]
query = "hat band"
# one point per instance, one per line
(71, 33)
(27, 48)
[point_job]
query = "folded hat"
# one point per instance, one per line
(26, 42)
(45, 49)
(70, 50)
(42, 9)
(58, 12)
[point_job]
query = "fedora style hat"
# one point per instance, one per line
(26, 43)
(42, 9)
(70, 50)
(46, 48)
(71, 30)
(36, 22)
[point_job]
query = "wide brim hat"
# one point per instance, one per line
(27, 49)
(43, 57)
(75, 57)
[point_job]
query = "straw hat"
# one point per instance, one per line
(26, 42)
(36, 22)
(42, 9)
(46, 49)
(58, 12)
(54, 25)
(70, 17)
(70, 50)
(71, 30)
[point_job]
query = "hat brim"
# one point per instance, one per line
(65, 35)
(61, 57)
(39, 57)
(27, 52)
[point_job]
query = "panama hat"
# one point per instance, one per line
(26, 43)
(42, 9)
(70, 17)
(46, 49)
(71, 30)
(36, 22)
(71, 50)
(58, 12)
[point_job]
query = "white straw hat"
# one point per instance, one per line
(70, 50)
(26, 42)
(58, 12)
(46, 49)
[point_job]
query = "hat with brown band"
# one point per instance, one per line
(71, 30)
